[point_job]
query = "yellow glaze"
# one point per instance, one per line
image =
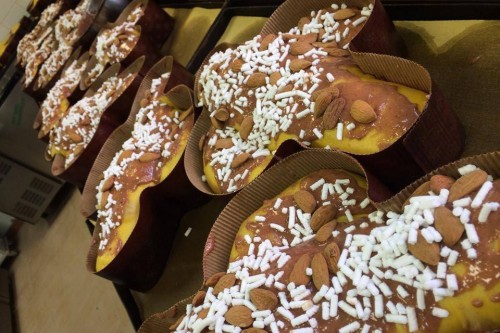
(132, 209)
(288, 191)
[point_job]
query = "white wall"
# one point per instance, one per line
(11, 12)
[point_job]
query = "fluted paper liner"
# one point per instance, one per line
(179, 78)
(141, 261)
(115, 114)
(160, 322)
(38, 119)
(155, 26)
(436, 138)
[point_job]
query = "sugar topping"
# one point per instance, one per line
(379, 278)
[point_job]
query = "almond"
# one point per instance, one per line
(148, 157)
(334, 91)
(184, 114)
(225, 282)
(222, 114)
(203, 313)
(253, 330)
(256, 80)
(362, 112)
(296, 65)
(321, 33)
(421, 190)
(104, 199)
(215, 123)
(448, 225)
(336, 52)
(308, 38)
(201, 143)
(108, 184)
(320, 274)
(331, 252)
(224, 143)
(322, 101)
(199, 298)
(305, 200)
(343, 14)
(325, 232)
(439, 182)
(246, 127)
(286, 88)
(236, 65)
(273, 79)
(303, 21)
(239, 160)
(466, 184)
(425, 252)
(73, 136)
(264, 44)
(144, 102)
(263, 299)
(325, 45)
(333, 112)
(299, 48)
(174, 326)
(240, 316)
(322, 215)
(298, 274)
(212, 281)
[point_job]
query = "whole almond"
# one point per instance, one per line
(320, 275)
(148, 157)
(308, 38)
(246, 127)
(239, 160)
(466, 184)
(108, 184)
(343, 14)
(225, 282)
(174, 326)
(421, 190)
(362, 112)
(300, 48)
(263, 299)
(336, 52)
(256, 80)
(325, 232)
(203, 313)
(216, 123)
(201, 143)
(236, 65)
(296, 65)
(199, 298)
(322, 215)
(448, 225)
(305, 200)
(224, 143)
(331, 252)
(321, 33)
(221, 114)
(264, 44)
(322, 101)
(298, 274)
(439, 182)
(334, 91)
(325, 45)
(425, 252)
(273, 79)
(303, 21)
(240, 316)
(286, 88)
(73, 136)
(333, 112)
(212, 280)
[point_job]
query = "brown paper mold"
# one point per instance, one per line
(471, 278)
(391, 127)
(38, 7)
(57, 101)
(134, 253)
(140, 29)
(76, 142)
